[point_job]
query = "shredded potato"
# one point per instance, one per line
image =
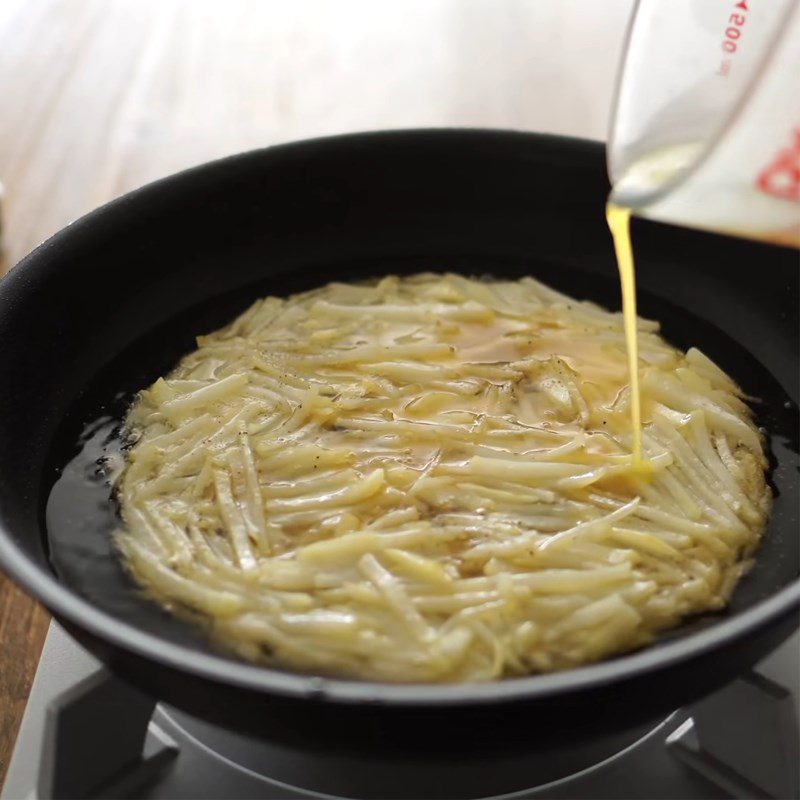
(430, 479)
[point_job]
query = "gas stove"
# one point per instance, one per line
(87, 734)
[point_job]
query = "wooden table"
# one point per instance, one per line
(100, 96)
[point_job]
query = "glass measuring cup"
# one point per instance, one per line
(706, 120)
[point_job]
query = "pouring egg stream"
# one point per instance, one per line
(619, 223)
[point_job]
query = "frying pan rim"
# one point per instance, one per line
(67, 605)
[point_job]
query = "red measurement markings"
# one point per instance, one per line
(730, 40)
(781, 177)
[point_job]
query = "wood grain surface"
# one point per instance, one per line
(100, 96)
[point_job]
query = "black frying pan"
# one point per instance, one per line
(111, 302)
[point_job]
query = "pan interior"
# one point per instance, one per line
(80, 513)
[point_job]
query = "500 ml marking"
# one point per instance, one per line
(730, 41)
